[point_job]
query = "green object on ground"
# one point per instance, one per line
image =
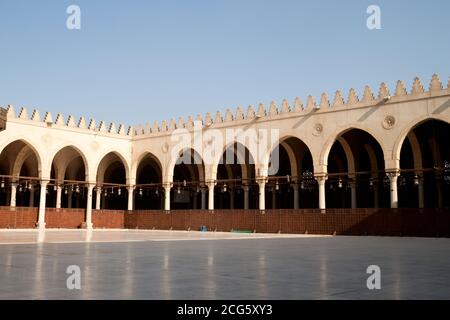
(241, 231)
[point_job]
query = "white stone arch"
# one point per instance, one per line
(229, 172)
(373, 160)
(396, 150)
(198, 161)
(351, 167)
(143, 155)
(100, 169)
(79, 151)
(416, 150)
(168, 175)
(239, 155)
(292, 158)
(20, 160)
(323, 158)
(27, 144)
(285, 135)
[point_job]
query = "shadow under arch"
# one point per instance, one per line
(410, 127)
(20, 164)
(324, 154)
(236, 186)
(292, 186)
(69, 175)
(425, 166)
(112, 177)
(149, 192)
(355, 167)
(188, 178)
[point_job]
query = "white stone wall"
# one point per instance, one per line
(387, 118)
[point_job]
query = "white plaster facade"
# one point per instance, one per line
(387, 118)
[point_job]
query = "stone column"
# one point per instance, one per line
(90, 189)
(69, 198)
(130, 197)
(78, 199)
(203, 191)
(375, 196)
(31, 201)
(8, 196)
(321, 179)
(246, 197)
(194, 199)
(353, 193)
(42, 199)
(12, 201)
(211, 185)
(231, 198)
(440, 201)
(167, 186)
(58, 196)
(98, 198)
(296, 195)
(274, 198)
(262, 192)
(421, 194)
(393, 176)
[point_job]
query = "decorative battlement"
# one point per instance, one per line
(71, 122)
(298, 108)
(261, 113)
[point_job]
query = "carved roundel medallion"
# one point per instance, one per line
(389, 122)
(317, 130)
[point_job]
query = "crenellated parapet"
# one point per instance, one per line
(367, 98)
(338, 102)
(71, 123)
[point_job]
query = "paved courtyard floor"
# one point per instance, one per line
(122, 264)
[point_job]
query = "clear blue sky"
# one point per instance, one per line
(138, 61)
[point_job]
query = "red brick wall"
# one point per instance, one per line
(64, 218)
(384, 222)
(109, 219)
(393, 222)
(18, 218)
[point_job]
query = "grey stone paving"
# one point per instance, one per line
(268, 268)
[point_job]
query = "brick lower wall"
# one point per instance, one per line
(18, 218)
(383, 222)
(64, 218)
(109, 219)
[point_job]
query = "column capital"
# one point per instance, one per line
(90, 184)
(261, 180)
(321, 177)
(211, 183)
(167, 185)
(392, 173)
